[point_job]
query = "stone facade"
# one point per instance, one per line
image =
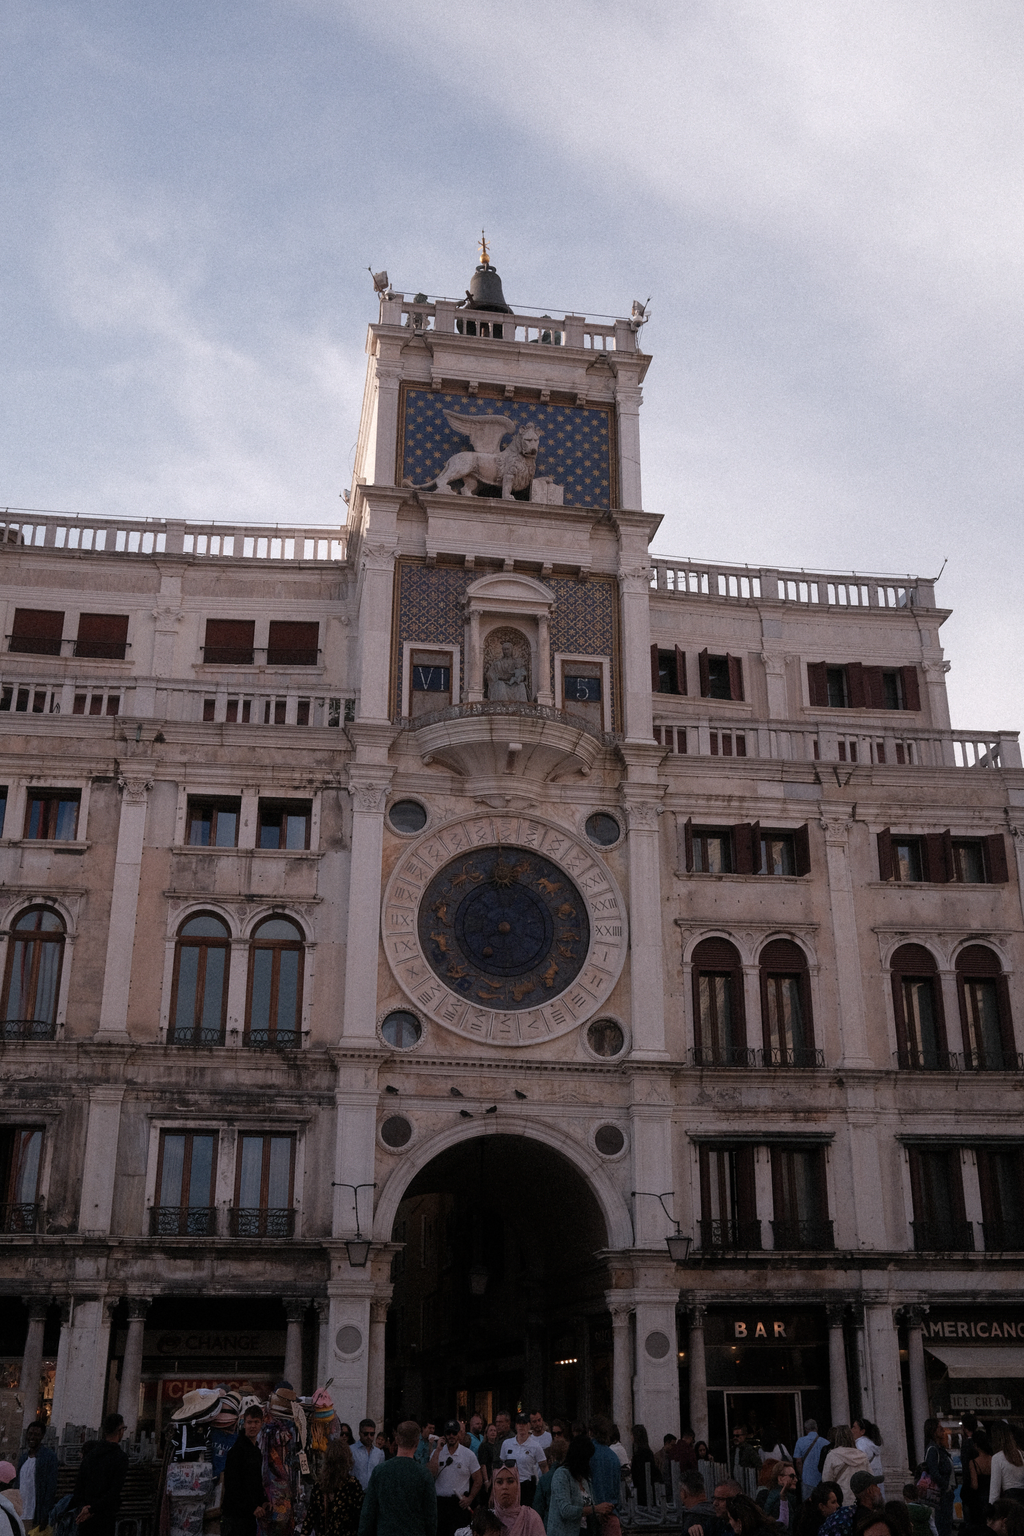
(717, 934)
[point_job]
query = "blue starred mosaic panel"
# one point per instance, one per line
(429, 611)
(575, 441)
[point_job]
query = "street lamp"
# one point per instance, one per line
(358, 1247)
(678, 1245)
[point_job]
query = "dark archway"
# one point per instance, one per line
(499, 1296)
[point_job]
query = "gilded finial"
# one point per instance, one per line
(485, 259)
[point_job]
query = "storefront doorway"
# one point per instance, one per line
(498, 1292)
(768, 1417)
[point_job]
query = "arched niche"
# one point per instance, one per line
(507, 600)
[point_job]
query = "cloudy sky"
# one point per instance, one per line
(823, 198)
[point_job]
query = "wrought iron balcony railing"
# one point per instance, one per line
(800, 1058)
(261, 1221)
(926, 1061)
(182, 1221)
(205, 1037)
(943, 1236)
(19, 1217)
(730, 1236)
(993, 1061)
(803, 1236)
(272, 1039)
(722, 1056)
(28, 1029)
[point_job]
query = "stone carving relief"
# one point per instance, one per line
(507, 666)
(511, 467)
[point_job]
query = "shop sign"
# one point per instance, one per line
(759, 1330)
(979, 1402)
(983, 1329)
(199, 1344)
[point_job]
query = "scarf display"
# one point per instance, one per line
(279, 1443)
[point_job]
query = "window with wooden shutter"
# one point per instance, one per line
(855, 685)
(917, 1008)
(102, 635)
(37, 631)
(704, 671)
(786, 1023)
(293, 644)
(874, 687)
(728, 1203)
(688, 843)
(655, 670)
(802, 849)
(938, 857)
(885, 865)
(817, 684)
(995, 858)
(911, 688)
(747, 845)
(936, 1182)
(989, 1043)
(230, 642)
(680, 671)
(798, 1192)
(735, 677)
(1001, 1177)
(720, 1032)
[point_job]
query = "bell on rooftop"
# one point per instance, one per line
(484, 291)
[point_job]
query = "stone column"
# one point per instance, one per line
(388, 378)
(850, 1000)
(628, 399)
(544, 694)
(294, 1311)
(99, 1161)
(321, 1371)
(839, 1390)
(656, 1371)
(348, 1331)
(117, 973)
(376, 600)
(884, 1389)
(775, 675)
(913, 1318)
(635, 677)
(81, 1381)
(860, 1396)
(698, 1374)
(131, 1365)
(622, 1397)
(32, 1358)
(375, 1371)
(368, 787)
(647, 951)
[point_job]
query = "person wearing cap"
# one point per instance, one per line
(528, 1455)
(97, 1491)
(37, 1478)
(867, 1495)
(244, 1499)
(457, 1478)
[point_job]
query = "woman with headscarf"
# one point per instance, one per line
(517, 1518)
(572, 1499)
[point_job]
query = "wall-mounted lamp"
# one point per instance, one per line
(358, 1247)
(678, 1245)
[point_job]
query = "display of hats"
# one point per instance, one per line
(228, 1411)
(322, 1399)
(249, 1400)
(281, 1400)
(198, 1406)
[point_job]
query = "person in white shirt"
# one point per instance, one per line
(538, 1429)
(528, 1455)
(457, 1478)
(366, 1455)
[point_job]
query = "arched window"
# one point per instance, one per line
(274, 1004)
(989, 1045)
(199, 1000)
(32, 978)
(786, 1022)
(917, 1005)
(720, 1030)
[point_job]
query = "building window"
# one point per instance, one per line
(284, 824)
(936, 1181)
(35, 953)
(230, 642)
(212, 823)
(21, 1148)
(989, 1044)
(727, 1199)
(721, 677)
(1001, 1177)
(264, 1187)
(720, 1033)
(709, 850)
(37, 632)
(273, 1007)
(184, 1184)
(855, 686)
(801, 1206)
(103, 636)
(977, 860)
(786, 1007)
(51, 815)
(668, 669)
(292, 644)
(199, 997)
(917, 1005)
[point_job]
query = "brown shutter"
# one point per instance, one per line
(655, 671)
(735, 677)
(746, 837)
(1006, 1020)
(802, 849)
(688, 842)
(885, 864)
(746, 1190)
(911, 688)
(902, 1038)
(230, 642)
(817, 684)
(917, 1186)
(855, 685)
(705, 673)
(706, 1203)
(995, 859)
(680, 671)
(37, 631)
(293, 644)
(874, 688)
(934, 848)
(102, 635)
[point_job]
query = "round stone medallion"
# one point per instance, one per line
(504, 928)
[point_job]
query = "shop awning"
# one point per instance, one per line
(961, 1361)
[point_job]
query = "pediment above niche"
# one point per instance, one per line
(509, 591)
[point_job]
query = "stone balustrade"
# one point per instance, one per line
(445, 316)
(744, 583)
(157, 536)
(144, 698)
(823, 742)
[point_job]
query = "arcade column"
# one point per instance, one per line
(913, 1319)
(32, 1357)
(294, 1311)
(698, 1374)
(131, 1365)
(839, 1389)
(656, 1379)
(81, 1378)
(622, 1397)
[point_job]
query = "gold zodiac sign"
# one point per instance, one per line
(440, 910)
(458, 971)
(565, 911)
(566, 951)
(567, 933)
(520, 988)
(489, 997)
(549, 887)
(442, 943)
(550, 974)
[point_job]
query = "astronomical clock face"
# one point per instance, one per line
(504, 928)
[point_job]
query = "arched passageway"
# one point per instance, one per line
(499, 1296)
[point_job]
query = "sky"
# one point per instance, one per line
(821, 197)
